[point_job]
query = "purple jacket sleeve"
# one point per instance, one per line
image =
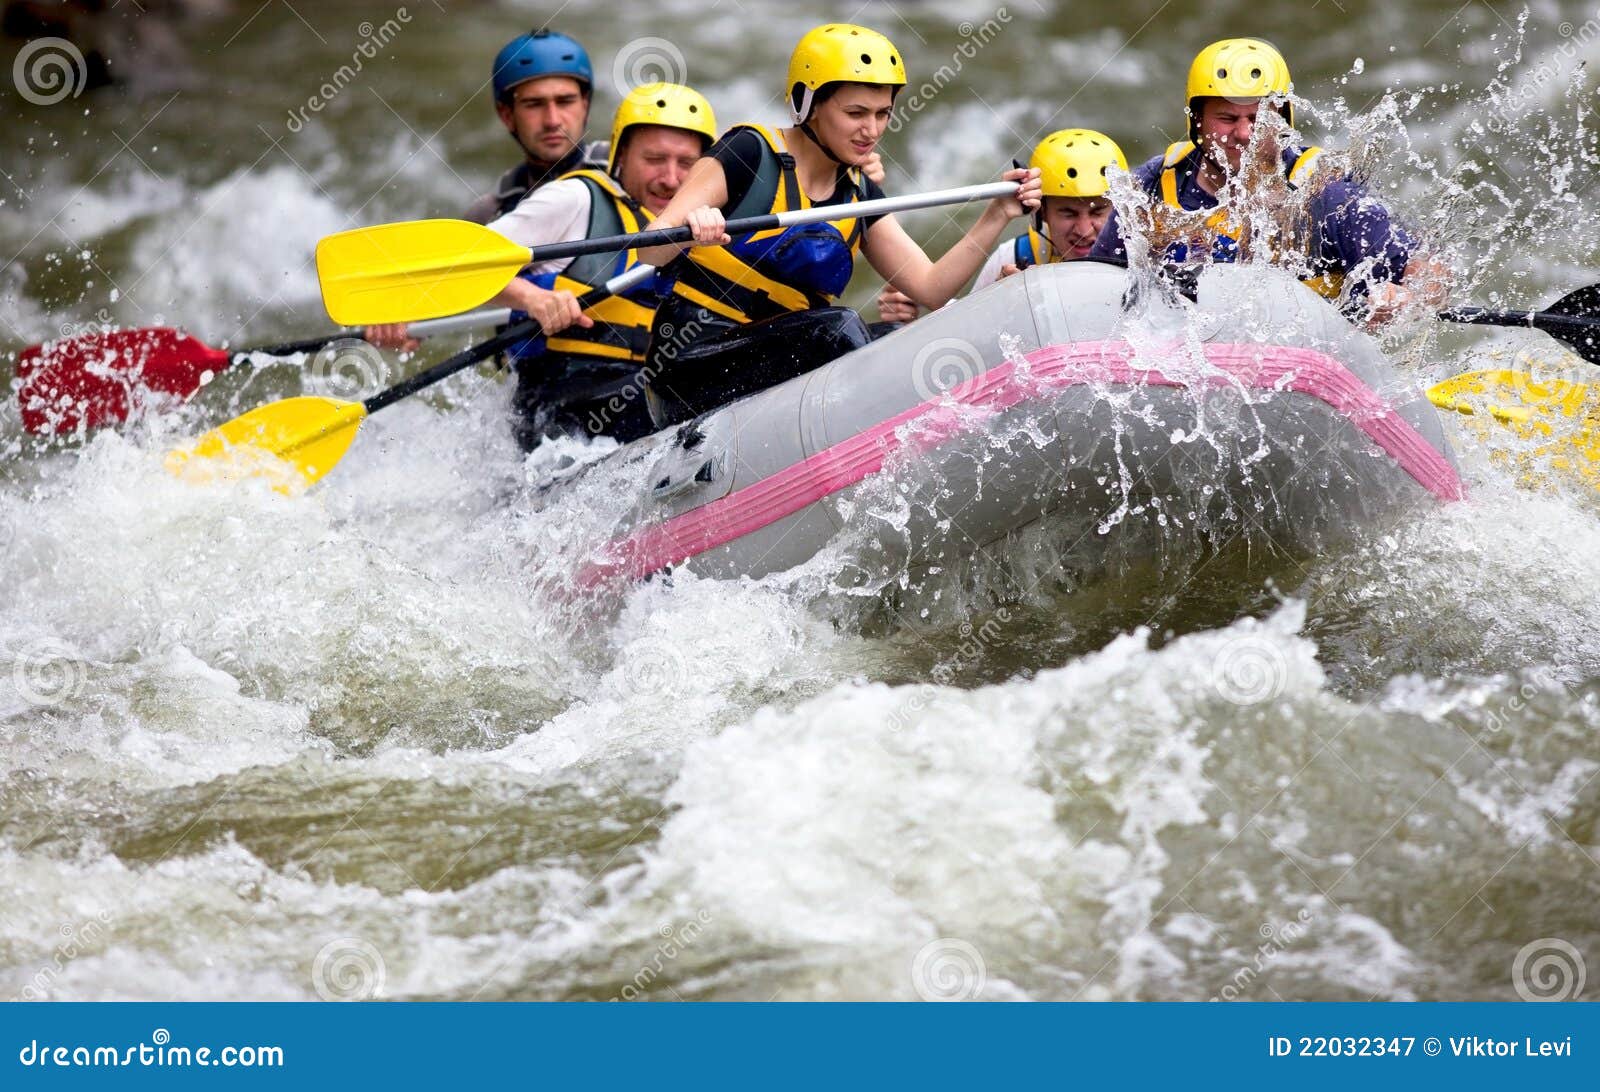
(1355, 231)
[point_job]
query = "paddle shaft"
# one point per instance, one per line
(611, 244)
(503, 340)
(472, 320)
(1581, 332)
(1488, 316)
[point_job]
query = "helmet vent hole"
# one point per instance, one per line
(866, 58)
(1255, 73)
(1222, 73)
(1072, 172)
(662, 103)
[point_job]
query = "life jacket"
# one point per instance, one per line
(621, 329)
(1225, 243)
(1033, 249)
(775, 272)
(521, 180)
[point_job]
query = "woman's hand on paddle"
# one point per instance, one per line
(895, 306)
(1028, 193)
(708, 227)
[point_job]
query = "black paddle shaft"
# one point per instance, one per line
(1582, 332)
(468, 357)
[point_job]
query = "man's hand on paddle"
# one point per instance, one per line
(391, 335)
(554, 311)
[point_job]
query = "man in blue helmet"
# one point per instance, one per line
(543, 84)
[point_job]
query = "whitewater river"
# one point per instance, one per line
(365, 744)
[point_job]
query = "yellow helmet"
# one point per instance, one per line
(1237, 68)
(840, 53)
(1073, 163)
(669, 104)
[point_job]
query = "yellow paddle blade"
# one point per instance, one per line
(290, 444)
(1560, 419)
(417, 270)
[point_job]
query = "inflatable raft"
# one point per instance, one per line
(1061, 395)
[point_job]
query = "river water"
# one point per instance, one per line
(359, 744)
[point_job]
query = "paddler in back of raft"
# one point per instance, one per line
(1074, 168)
(1349, 248)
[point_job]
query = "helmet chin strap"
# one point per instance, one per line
(805, 127)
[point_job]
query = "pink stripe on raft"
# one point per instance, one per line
(1050, 369)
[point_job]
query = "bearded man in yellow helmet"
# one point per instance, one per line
(1352, 250)
(842, 83)
(1074, 168)
(580, 376)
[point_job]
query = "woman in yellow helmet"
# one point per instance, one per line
(1229, 84)
(1074, 172)
(842, 84)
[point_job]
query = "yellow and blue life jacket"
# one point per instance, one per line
(621, 329)
(782, 270)
(1034, 248)
(1225, 241)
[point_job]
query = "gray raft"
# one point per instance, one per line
(1058, 395)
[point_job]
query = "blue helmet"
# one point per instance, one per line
(540, 53)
